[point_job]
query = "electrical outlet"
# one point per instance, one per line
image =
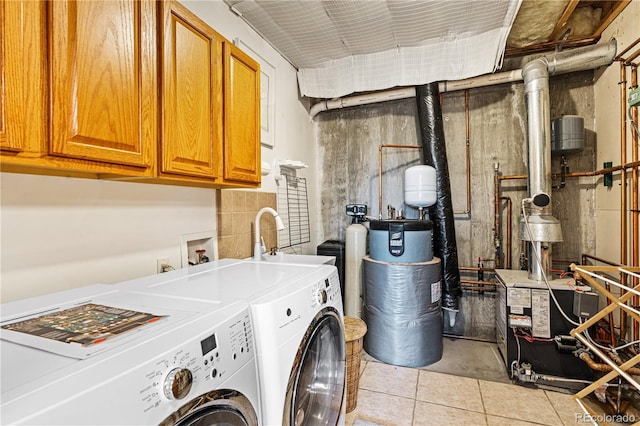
(162, 264)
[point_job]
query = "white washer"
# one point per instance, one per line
(195, 363)
(297, 316)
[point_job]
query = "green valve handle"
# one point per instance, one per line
(608, 177)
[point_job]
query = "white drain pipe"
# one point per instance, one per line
(580, 59)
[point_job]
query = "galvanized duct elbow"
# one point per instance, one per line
(580, 59)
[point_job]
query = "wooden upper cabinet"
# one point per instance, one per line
(191, 142)
(241, 117)
(83, 85)
(23, 111)
(103, 80)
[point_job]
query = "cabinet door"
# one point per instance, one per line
(241, 117)
(103, 80)
(23, 118)
(191, 95)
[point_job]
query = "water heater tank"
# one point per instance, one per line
(567, 135)
(420, 186)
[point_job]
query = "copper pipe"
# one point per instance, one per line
(629, 61)
(473, 285)
(605, 368)
(631, 46)
(512, 177)
(380, 170)
(475, 268)
(623, 185)
(634, 199)
(549, 45)
(612, 326)
(475, 282)
(509, 231)
(496, 211)
(467, 153)
(478, 289)
(603, 171)
(586, 256)
(631, 165)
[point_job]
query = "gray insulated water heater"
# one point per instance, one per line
(567, 135)
(403, 312)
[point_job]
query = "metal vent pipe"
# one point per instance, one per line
(541, 228)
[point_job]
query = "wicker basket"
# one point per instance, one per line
(354, 331)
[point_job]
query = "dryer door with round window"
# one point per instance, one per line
(317, 382)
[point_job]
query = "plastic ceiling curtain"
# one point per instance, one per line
(347, 46)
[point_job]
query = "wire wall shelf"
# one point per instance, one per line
(293, 207)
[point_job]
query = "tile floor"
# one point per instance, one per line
(410, 396)
(392, 395)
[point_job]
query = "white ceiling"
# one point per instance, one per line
(346, 46)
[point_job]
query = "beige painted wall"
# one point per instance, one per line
(625, 30)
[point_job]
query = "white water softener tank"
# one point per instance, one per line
(355, 249)
(420, 186)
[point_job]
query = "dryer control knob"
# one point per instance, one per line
(322, 297)
(178, 383)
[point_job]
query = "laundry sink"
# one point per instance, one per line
(300, 259)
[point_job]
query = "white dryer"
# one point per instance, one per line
(297, 315)
(301, 350)
(187, 361)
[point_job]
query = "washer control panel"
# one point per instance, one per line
(326, 291)
(205, 360)
(153, 380)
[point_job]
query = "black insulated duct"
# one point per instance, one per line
(434, 154)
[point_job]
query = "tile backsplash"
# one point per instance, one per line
(236, 214)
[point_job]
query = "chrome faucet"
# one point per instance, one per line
(258, 248)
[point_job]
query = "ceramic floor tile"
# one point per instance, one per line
(375, 408)
(359, 422)
(567, 408)
(501, 421)
(468, 358)
(427, 414)
(517, 402)
(363, 364)
(391, 379)
(453, 391)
